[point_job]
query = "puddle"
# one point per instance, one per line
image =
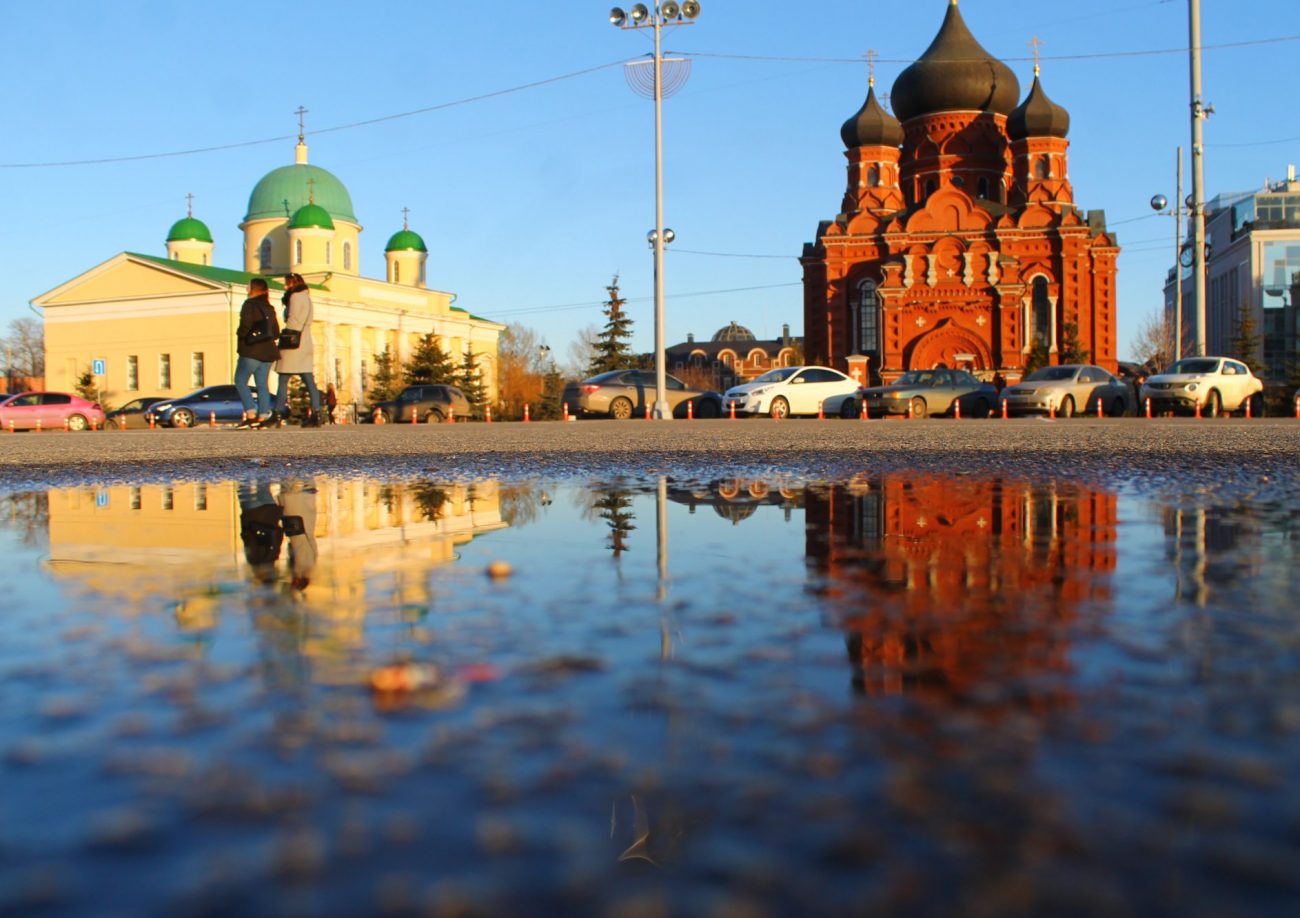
(901, 693)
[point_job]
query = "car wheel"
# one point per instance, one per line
(620, 409)
(981, 408)
(1213, 404)
(435, 416)
(779, 409)
(1256, 405)
(1067, 407)
(918, 407)
(77, 422)
(183, 417)
(1117, 408)
(849, 409)
(707, 408)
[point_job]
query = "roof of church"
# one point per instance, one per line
(405, 240)
(1038, 116)
(955, 74)
(311, 216)
(188, 229)
(734, 332)
(872, 126)
(283, 191)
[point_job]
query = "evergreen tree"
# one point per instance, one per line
(551, 408)
(430, 364)
(471, 383)
(611, 347)
(616, 509)
(1038, 357)
(1072, 350)
(1244, 345)
(384, 382)
(88, 389)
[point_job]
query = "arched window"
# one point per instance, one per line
(297, 251)
(347, 256)
(1042, 312)
(205, 258)
(264, 254)
(868, 318)
(873, 176)
(982, 189)
(1043, 167)
(397, 272)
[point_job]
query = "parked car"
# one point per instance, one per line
(625, 394)
(1215, 384)
(200, 406)
(1069, 389)
(51, 409)
(435, 403)
(788, 391)
(134, 413)
(927, 392)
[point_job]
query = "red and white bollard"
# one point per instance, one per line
(66, 425)
(733, 409)
(415, 415)
(487, 413)
(821, 413)
(1005, 414)
(451, 414)
(1297, 407)
(153, 422)
(1198, 411)
(956, 409)
(866, 415)
(1148, 408)
(690, 411)
(1051, 410)
(11, 425)
(909, 411)
(1100, 412)
(647, 412)
(1247, 409)
(38, 425)
(526, 418)
(378, 417)
(564, 413)
(212, 419)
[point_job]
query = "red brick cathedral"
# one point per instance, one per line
(959, 243)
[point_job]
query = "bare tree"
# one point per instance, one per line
(25, 347)
(1153, 344)
(582, 351)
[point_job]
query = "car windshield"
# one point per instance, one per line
(778, 375)
(916, 378)
(1051, 374)
(1195, 365)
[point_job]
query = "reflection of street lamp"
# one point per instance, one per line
(668, 13)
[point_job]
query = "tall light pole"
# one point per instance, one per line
(668, 13)
(1199, 114)
(1158, 203)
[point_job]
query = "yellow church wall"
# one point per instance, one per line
(124, 280)
(282, 252)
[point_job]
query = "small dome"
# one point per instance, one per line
(188, 229)
(1038, 116)
(955, 74)
(282, 191)
(311, 216)
(405, 240)
(872, 126)
(734, 332)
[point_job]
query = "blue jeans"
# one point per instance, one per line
(282, 394)
(260, 371)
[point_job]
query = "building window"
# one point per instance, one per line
(133, 373)
(168, 501)
(397, 272)
(200, 496)
(164, 371)
(134, 500)
(205, 258)
(1042, 168)
(873, 176)
(297, 251)
(328, 251)
(347, 256)
(982, 189)
(264, 254)
(365, 378)
(196, 369)
(1042, 312)
(868, 318)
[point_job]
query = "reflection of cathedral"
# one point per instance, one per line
(737, 499)
(945, 585)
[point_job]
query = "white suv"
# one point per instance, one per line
(1215, 384)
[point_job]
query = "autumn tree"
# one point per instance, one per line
(520, 372)
(612, 351)
(429, 365)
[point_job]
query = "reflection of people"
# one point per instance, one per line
(299, 361)
(298, 501)
(260, 530)
(256, 336)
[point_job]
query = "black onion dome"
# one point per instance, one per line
(734, 332)
(872, 126)
(1038, 116)
(955, 74)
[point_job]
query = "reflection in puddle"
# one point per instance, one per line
(308, 694)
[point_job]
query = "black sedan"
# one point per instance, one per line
(133, 414)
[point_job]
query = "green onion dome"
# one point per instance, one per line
(187, 229)
(283, 191)
(405, 241)
(311, 216)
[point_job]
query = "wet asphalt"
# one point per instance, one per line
(1228, 456)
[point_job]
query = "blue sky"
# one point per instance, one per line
(531, 200)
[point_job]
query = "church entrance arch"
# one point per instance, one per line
(951, 345)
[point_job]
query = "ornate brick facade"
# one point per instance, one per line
(960, 242)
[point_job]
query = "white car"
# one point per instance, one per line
(1214, 384)
(788, 391)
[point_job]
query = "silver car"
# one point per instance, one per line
(1069, 389)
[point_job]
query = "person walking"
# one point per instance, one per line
(331, 404)
(256, 336)
(297, 358)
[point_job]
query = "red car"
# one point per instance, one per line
(50, 410)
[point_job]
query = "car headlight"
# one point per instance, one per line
(896, 395)
(1192, 387)
(762, 390)
(164, 407)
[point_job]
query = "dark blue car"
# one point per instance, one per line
(200, 406)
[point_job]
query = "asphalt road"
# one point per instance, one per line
(1225, 453)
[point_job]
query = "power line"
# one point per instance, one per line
(566, 307)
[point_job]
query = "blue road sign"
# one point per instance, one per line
(98, 366)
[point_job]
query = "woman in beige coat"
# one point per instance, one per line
(299, 361)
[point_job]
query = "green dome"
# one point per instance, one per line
(283, 191)
(405, 241)
(187, 229)
(311, 216)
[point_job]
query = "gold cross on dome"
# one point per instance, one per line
(311, 191)
(406, 212)
(872, 54)
(300, 112)
(1035, 43)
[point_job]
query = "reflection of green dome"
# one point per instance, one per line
(187, 229)
(289, 184)
(311, 216)
(405, 241)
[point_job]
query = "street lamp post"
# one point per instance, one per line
(1158, 203)
(1200, 112)
(668, 13)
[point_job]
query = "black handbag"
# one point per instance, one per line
(261, 331)
(290, 339)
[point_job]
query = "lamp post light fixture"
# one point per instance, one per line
(657, 16)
